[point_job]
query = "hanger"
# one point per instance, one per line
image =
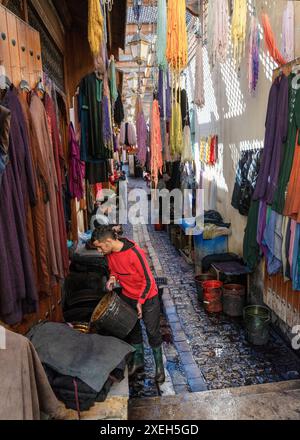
(40, 86)
(24, 86)
(5, 82)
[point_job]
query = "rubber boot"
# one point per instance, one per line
(137, 362)
(160, 370)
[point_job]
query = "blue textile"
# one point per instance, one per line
(273, 241)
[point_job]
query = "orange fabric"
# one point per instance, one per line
(156, 144)
(292, 204)
(270, 41)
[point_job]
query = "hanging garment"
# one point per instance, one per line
(119, 110)
(40, 123)
(288, 148)
(18, 293)
(76, 167)
(251, 252)
(276, 135)
(262, 222)
(273, 241)
(185, 109)
(60, 173)
(142, 138)
(25, 390)
(4, 139)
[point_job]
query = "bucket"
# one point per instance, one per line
(257, 322)
(234, 300)
(199, 279)
(114, 316)
(212, 295)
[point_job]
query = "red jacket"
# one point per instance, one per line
(132, 271)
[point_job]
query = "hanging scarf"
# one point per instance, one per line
(271, 42)
(220, 30)
(177, 42)
(161, 43)
(161, 92)
(176, 139)
(113, 81)
(238, 31)
(156, 144)
(199, 97)
(187, 153)
(288, 32)
(95, 26)
(253, 61)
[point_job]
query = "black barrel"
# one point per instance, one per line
(114, 316)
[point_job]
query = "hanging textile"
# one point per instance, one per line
(156, 144)
(119, 110)
(187, 153)
(288, 32)
(113, 80)
(76, 167)
(271, 42)
(199, 97)
(238, 31)
(161, 43)
(220, 30)
(4, 139)
(176, 139)
(161, 93)
(95, 26)
(253, 60)
(168, 98)
(131, 135)
(177, 42)
(142, 138)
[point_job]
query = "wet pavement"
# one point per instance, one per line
(203, 351)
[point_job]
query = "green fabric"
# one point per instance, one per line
(113, 81)
(288, 148)
(251, 247)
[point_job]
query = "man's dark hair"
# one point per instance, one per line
(102, 232)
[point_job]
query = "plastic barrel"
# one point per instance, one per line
(257, 322)
(114, 316)
(199, 279)
(234, 300)
(212, 295)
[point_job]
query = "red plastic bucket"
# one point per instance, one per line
(212, 294)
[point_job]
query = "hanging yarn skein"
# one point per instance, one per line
(220, 31)
(238, 31)
(199, 97)
(288, 32)
(187, 153)
(177, 42)
(253, 60)
(95, 26)
(161, 43)
(176, 136)
(271, 42)
(141, 133)
(113, 80)
(156, 144)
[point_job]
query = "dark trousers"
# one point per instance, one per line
(151, 318)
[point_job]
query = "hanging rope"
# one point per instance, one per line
(95, 26)
(177, 42)
(238, 32)
(271, 42)
(161, 43)
(253, 61)
(288, 32)
(156, 144)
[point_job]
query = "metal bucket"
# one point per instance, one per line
(212, 293)
(199, 280)
(114, 316)
(257, 322)
(234, 300)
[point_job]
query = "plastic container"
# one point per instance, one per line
(257, 322)
(203, 248)
(212, 295)
(234, 299)
(114, 316)
(199, 279)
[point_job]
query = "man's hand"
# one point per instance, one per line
(139, 308)
(111, 284)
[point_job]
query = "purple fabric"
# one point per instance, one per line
(161, 93)
(107, 132)
(168, 99)
(76, 167)
(275, 136)
(18, 292)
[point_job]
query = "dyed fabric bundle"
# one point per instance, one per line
(288, 32)
(168, 98)
(113, 81)
(199, 97)
(177, 42)
(161, 92)
(161, 43)
(238, 31)
(176, 139)
(271, 42)
(76, 167)
(131, 134)
(220, 30)
(253, 61)
(187, 153)
(142, 138)
(156, 144)
(95, 26)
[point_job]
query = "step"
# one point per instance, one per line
(276, 401)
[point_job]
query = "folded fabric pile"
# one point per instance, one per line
(212, 231)
(84, 361)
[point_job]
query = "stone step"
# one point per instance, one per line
(276, 401)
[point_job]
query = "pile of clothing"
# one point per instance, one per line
(214, 225)
(81, 368)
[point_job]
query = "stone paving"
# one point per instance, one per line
(203, 352)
